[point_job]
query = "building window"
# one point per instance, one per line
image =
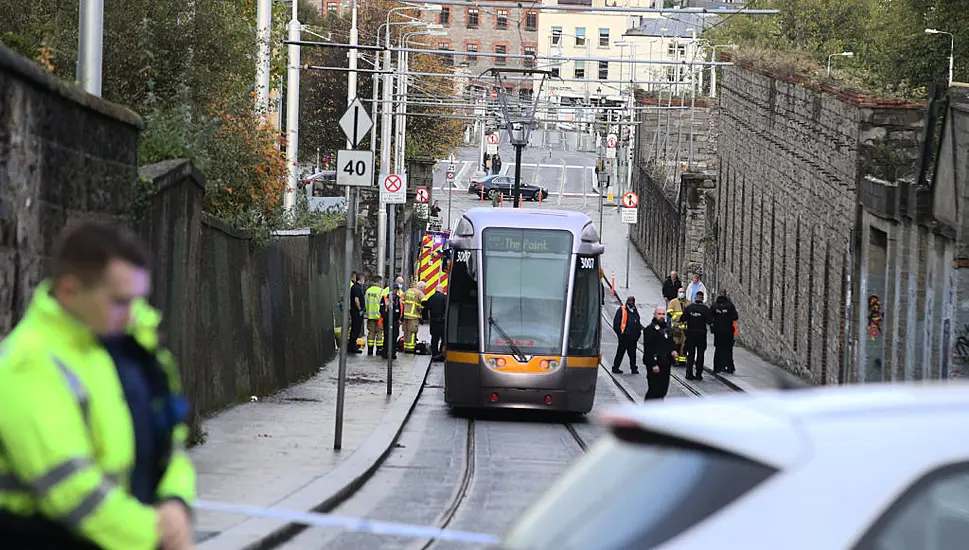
(674, 50)
(580, 69)
(580, 37)
(529, 62)
(531, 20)
(501, 49)
(556, 35)
(444, 45)
(670, 73)
(554, 71)
(472, 47)
(603, 38)
(603, 70)
(472, 18)
(444, 18)
(501, 19)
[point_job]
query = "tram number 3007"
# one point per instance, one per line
(464, 256)
(587, 263)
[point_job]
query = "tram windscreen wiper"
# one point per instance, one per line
(515, 350)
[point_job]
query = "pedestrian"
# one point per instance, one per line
(674, 314)
(92, 420)
(375, 332)
(391, 308)
(696, 286)
(697, 316)
(357, 314)
(436, 306)
(671, 285)
(628, 327)
(435, 210)
(659, 351)
(724, 324)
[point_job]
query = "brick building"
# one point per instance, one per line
(474, 30)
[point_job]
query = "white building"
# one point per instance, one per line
(673, 38)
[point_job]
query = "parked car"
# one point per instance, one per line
(505, 185)
(863, 468)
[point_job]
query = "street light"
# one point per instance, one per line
(842, 54)
(713, 68)
(952, 47)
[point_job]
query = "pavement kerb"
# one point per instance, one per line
(740, 387)
(330, 490)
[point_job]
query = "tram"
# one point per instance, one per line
(523, 323)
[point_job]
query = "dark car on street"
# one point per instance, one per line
(505, 185)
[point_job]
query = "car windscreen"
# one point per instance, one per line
(634, 490)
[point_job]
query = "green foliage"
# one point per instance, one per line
(893, 55)
(317, 222)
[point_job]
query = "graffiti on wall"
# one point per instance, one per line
(875, 318)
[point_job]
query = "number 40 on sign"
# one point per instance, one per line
(354, 168)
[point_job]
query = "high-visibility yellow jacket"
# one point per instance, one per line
(412, 303)
(372, 298)
(67, 436)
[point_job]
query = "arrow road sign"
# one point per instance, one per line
(422, 195)
(354, 167)
(393, 189)
(355, 122)
(630, 200)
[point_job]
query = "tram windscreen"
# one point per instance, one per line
(526, 273)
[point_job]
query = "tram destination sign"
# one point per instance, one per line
(537, 241)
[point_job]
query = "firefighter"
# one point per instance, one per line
(391, 306)
(375, 333)
(412, 314)
(675, 312)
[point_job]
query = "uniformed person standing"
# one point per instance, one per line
(697, 316)
(724, 319)
(391, 305)
(627, 327)
(375, 333)
(412, 314)
(357, 314)
(92, 422)
(436, 306)
(674, 313)
(659, 351)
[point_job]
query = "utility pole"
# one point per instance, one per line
(90, 41)
(264, 18)
(385, 123)
(292, 112)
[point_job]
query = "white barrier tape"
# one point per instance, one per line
(360, 525)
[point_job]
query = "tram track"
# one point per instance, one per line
(461, 492)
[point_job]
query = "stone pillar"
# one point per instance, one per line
(697, 189)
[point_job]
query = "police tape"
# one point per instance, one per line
(360, 525)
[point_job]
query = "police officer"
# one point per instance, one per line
(436, 306)
(375, 333)
(357, 314)
(627, 326)
(658, 354)
(391, 305)
(697, 316)
(91, 413)
(724, 316)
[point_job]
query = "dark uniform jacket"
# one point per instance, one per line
(395, 310)
(697, 317)
(633, 324)
(724, 314)
(356, 291)
(670, 287)
(436, 307)
(658, 344)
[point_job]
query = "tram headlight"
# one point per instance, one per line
(548, 364)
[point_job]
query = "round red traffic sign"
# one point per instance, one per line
(630, 200)
(450, 175)
(493, 139)
(422, 195)
(611, 142)
(392, 183)
(494, 93)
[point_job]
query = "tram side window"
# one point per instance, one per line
(586, 304)
(462, 319)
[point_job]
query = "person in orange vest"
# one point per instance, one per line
(628, 328)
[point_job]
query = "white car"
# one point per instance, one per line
(868, 467)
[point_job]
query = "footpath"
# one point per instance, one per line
(753, 373)
(277, 451)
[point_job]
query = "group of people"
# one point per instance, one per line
(405, 307)
(677, 333)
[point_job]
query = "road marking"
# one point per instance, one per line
(562, 184)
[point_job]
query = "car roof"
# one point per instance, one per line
(769, 426)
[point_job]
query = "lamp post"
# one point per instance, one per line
(842, 54)
(90, 41)
(292, 112)
(713, 68)
(952, 47)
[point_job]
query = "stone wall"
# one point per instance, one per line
(791, 159)
(51, 171)
(668, 127)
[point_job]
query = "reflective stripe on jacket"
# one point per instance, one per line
(68, 438)
(412, 304)
(372, 299)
